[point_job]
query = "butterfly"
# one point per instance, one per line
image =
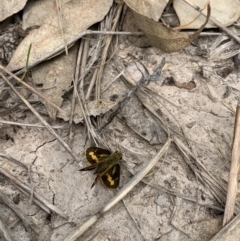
(106, 165)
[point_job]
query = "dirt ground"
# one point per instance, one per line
(171, 202)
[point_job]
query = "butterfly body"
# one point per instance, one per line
(106, 165)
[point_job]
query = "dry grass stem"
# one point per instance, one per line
(79, 93)
(91, 85)
(234, 171)
(32, 125)
(105, 51)
(74, 96)
(13, 160)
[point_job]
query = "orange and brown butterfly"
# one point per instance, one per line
(106, 165)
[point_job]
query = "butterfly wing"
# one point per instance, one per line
(111, 177)
(96, 155)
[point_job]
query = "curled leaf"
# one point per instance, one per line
(166, 39)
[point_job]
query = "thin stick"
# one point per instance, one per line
(121, 194)
(73, 105)
(91, 85)
(31, 125)
(50, 129)
(234, 170)
(13, 160)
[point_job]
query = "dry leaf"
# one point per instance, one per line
(164, 38)
(36, 12)
(77, 16)
(95, 108)
(55, 76)
(226, 12)
(149, 8)
(8, 8)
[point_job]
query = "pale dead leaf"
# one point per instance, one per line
(77, 16)
(95, 108)
(36, 12)
(8, 8)
(55, 76)
(164, 38)
(149, 8)
(226, 12)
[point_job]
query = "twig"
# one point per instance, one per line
(73, 104)
(215, 21)
(31, 125)
(234, 171)
(50, 129)
(123, 102)
(36, 196)
(4, 232)
(13, 160)
(91, 85)
(121, 194)
(80, 93)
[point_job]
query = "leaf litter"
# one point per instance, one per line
(185, 190)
